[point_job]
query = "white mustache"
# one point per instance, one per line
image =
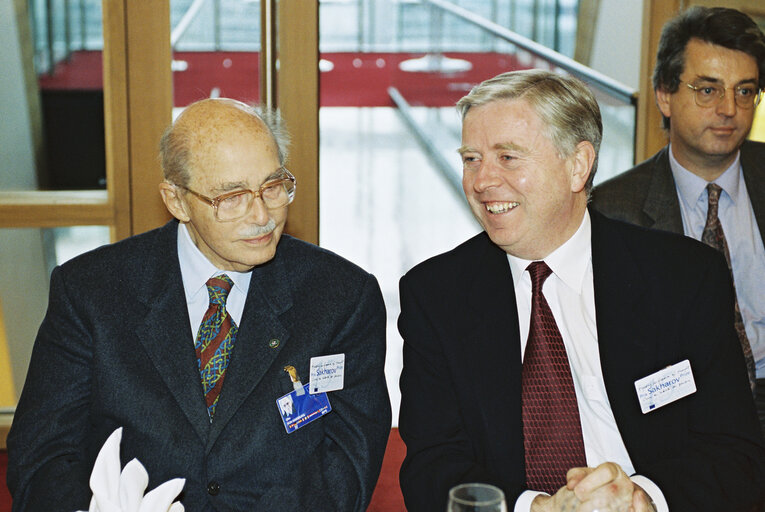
(256, 231)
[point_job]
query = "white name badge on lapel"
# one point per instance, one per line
(327, 373)
(665, 386)
(299, 409)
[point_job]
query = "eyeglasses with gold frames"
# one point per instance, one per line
(276, 192)
(709, 95)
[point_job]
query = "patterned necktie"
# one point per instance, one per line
(552, 433)
(713, 236)
(215, 340)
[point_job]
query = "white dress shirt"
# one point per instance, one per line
(742, 235)
(196, 269)
(570, 293)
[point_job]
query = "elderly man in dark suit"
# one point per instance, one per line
(569, 359)
(183, 335)
(709, 182)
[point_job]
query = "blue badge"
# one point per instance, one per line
(298, 410)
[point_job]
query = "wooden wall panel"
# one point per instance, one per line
(650, 136)
(150, 102)
(115, 117)
(298, 101)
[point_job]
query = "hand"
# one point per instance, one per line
(562, 501)
(607, 488)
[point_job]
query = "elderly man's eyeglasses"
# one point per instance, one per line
(277, 191)
(710, 95)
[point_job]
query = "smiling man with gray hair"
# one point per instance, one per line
(576, 362)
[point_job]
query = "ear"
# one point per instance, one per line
(174, 203)
(662, 101)
(581, 162)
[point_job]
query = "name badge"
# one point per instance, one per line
(665, 386)
(299, 409)
(327, 373)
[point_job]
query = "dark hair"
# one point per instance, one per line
(721, 26)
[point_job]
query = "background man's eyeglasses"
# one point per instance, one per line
(709, 95)
(276, 192)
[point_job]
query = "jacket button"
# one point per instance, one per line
(213, 488)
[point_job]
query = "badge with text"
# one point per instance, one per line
(326, 373)
(665, 386)
(298, 410)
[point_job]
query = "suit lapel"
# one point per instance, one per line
(661, 203)
(165, 332)
(491, 347)
(493, 318)
(753, 166)
(620, 310)
(253, 355)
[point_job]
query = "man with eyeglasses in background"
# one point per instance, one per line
(200, 339)
(709, 182)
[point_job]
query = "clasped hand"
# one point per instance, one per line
(606, 488)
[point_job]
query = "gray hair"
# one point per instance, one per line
(175, 150)
(564, 104)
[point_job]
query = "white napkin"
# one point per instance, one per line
(123, 491)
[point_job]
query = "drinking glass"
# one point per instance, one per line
(476, 498)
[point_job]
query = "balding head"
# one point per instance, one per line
(219, 147)
(208, 127)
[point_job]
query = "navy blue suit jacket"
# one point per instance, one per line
(116, 349)
(659, 299)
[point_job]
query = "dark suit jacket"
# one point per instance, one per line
(659, 298)
(116, 349)
(646, 194)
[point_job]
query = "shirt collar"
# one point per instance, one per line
(691, 187)
(196, 269)
(569, 262)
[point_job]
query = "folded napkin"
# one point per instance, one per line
(116, 490)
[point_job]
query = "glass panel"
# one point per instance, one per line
(449, 67)
(216, 45)
(31, 254)
(52, 95)
(392, 71)
(392, 209)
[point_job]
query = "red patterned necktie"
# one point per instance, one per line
(552, 433)
(215, 340)
(714, 236)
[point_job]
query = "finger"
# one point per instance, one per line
(575, 475)
(641, 502)
(604, 475)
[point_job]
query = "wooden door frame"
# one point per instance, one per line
(146, 106)
(138, 99)
(297, 99)
(650, 136)
(137, 108)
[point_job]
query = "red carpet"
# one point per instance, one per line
(386, 498)
(356, 79)
(5, 494)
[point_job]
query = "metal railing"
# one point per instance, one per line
(617, 93)
(589, 75)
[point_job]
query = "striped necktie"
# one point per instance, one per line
(215, 340)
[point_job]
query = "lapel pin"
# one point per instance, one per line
(273, 343)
